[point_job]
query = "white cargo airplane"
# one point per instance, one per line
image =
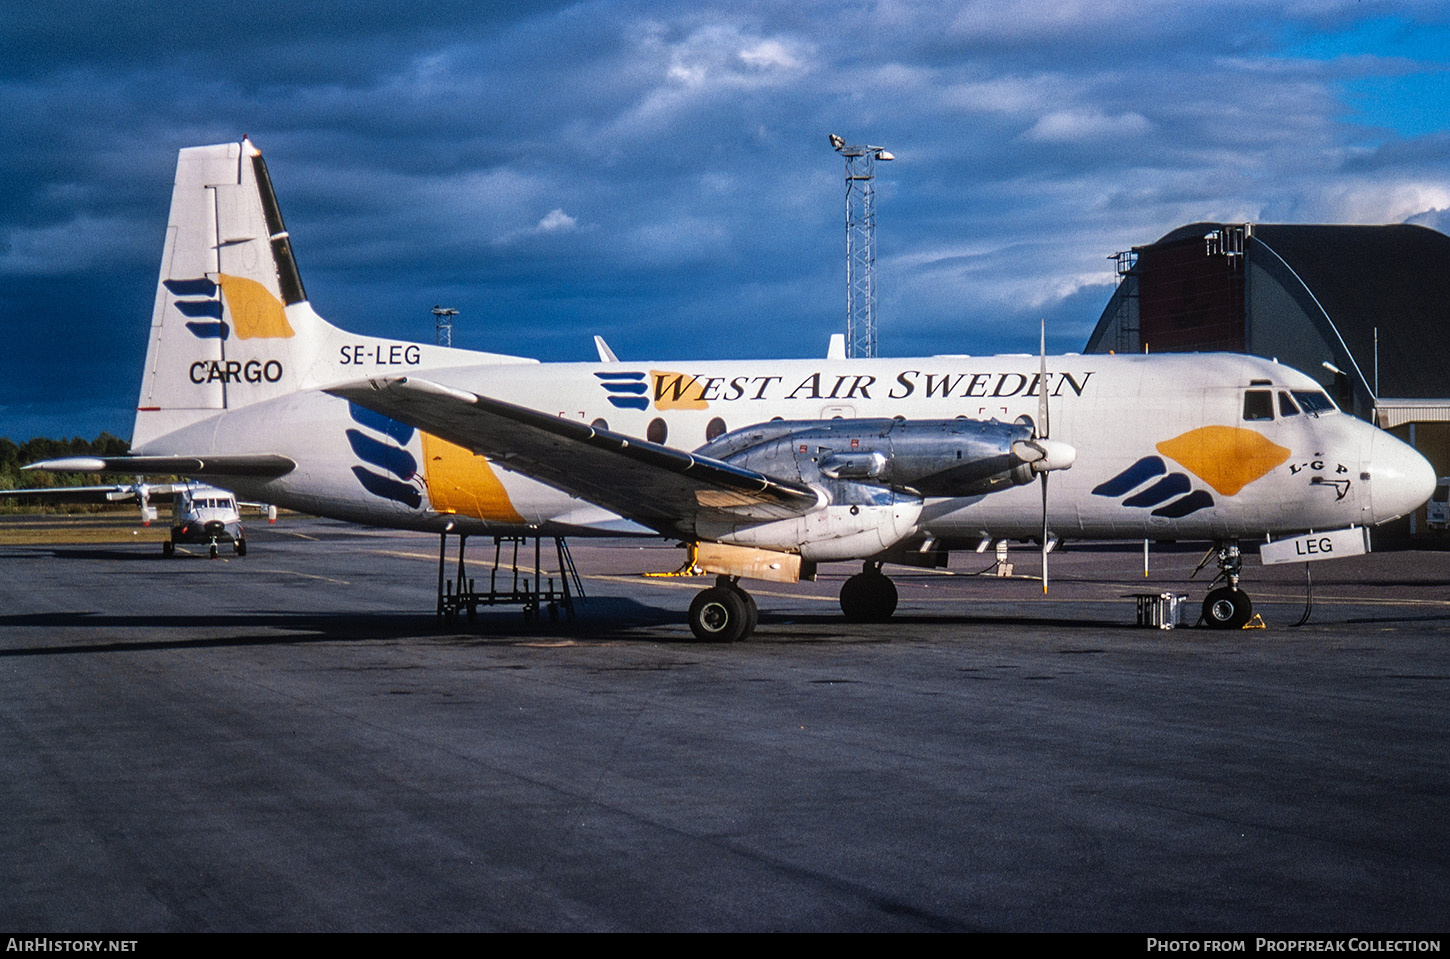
(767, 466)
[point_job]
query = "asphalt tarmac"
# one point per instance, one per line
(290, 742)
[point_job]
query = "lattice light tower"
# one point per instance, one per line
(860, 244)
(443, 324)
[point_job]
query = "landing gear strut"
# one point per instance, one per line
(1228, 607)
(724, 613)
(869, 596)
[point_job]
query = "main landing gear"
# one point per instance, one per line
(724, 613)
(1228, 607)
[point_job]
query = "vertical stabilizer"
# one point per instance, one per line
(231, 325)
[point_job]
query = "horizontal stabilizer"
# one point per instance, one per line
(220, 464)
(663, 488)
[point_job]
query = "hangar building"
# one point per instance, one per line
(1363, 309)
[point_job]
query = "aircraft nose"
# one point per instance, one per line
(1401, 480)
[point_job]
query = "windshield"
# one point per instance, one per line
(1314, 402)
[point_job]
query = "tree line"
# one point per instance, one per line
(14, 455)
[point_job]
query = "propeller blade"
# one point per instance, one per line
(1044, 533)
(1042, 425)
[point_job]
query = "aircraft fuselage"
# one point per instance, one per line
(1165, 445)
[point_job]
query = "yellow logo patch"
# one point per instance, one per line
(1227, 458)
(255, 312)
(678, 391)
(460, 481)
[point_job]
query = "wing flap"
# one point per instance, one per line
(663, 488)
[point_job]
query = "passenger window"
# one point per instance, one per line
(1286, 405)
(1258, 405)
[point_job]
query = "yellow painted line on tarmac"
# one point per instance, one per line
(1357, 600)
(639, 580)
(325, 579)
(405, 554)
(300, 575)
(291, 532)
(1136, 586)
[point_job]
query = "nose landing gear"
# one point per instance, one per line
(1228, 607)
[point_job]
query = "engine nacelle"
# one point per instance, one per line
(855, 520)
(957, 457)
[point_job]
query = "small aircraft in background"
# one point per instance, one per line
(205, 515)
(200, 514)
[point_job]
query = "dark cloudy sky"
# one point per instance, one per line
(659, 172)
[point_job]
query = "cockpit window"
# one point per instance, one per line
(1258, 405)
(1286, 405)
(1314, 402)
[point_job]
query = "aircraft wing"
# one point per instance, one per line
(221, 464)
(77, 494)
(662, 488)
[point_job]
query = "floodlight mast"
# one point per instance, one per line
(443, 324)
(861, 338)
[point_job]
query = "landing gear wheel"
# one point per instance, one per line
(721, 614)
(241, 547)
(168, 548)
(868, 597)
(752, 612)
(213, 550)
(1227, 608)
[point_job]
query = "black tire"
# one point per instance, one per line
(868, 598)
(168, 548)
(752, 612)
(213, 551)
(1227, 608)
(721, 614)
(241, 547)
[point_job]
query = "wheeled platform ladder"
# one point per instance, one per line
(459, 595)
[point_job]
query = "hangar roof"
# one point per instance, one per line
(1396, 278)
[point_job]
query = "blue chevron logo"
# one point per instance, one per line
(627, 389)
(1172, 493)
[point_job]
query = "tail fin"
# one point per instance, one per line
(231, 325)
